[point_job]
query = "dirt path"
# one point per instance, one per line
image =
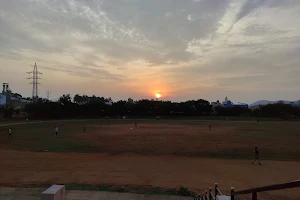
(19, 168)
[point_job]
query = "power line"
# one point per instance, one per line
(34, 76)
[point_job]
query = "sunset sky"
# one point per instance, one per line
(247, 50)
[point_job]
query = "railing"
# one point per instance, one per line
(254, 191)
(208, 195)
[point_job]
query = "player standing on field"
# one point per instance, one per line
(56, 131)
(10, 132)
(84, 128)
(256, 156)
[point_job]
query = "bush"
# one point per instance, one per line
(8, 111)
(185, 192)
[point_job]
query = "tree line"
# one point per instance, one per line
(97, 107)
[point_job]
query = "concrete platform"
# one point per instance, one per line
(7, 193)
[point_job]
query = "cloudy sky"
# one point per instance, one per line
(185, 49)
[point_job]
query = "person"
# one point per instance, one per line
(56, 131)
(84, 128)
(257, 120)
(210, 127)
(10, 132)
(27, 120)
(256, 156)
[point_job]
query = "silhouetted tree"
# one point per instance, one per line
(93, 106)
(65, 99)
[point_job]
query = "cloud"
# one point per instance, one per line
(248, 7)
(96, 73)
(188, 44)
(140, 27)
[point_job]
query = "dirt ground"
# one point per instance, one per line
(159, 139)
(19, 168)
(187, 140)
(161, 155)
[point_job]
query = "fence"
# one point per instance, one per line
(209, 195)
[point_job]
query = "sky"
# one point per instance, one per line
(247, 50)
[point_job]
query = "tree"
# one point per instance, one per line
(8, 111)
(94, 106)
(78, 99)
(16, 95)
(17, 111)
(65, 99)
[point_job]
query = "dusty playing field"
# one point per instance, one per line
(21, 168)
(159, 154)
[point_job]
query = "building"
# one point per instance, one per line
(109, 102)
(228, 104)
(7, 97)
(295, 103)
(2, 100)
(241, 105)
(216, 104)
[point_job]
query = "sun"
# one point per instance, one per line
(158, 95)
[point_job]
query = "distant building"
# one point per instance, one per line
(216, 104)
(7, 97)
(241, 105)
(228, 104)
(109, 102)
(2, 100)
(226, 100)
(295, 103)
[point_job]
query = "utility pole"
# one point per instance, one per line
(34, 76)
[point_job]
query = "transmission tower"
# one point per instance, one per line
(34, 76)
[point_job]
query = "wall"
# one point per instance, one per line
(2, 100)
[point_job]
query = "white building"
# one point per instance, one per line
(226, 100)
(2, 100)
(109, 102)
(216, 104)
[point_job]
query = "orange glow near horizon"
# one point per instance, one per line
(158, 95)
